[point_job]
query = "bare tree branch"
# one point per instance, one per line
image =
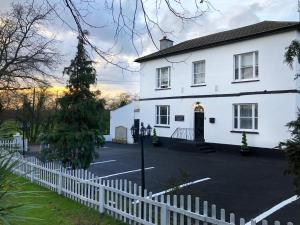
(26, 55)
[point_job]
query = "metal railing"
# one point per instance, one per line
(184, 134)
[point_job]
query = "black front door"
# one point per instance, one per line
(199, 126)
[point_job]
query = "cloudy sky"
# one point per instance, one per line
(222, 15)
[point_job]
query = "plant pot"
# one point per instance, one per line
(155, 144)
(244, 152)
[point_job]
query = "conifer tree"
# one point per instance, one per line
(77, 132)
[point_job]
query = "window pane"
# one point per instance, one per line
(256, 123)
(158, 80)
(246, 110)
(236, 67)
(199, 72)
(235, 122)
(247, 72)
(256, 64)
(163, 110)
(235, 110)
(196, 78)
(247, 66)
(196, 67)
(247, 60)
(163, 120)
(246, 123)
(255, 110)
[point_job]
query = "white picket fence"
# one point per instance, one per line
(124, 200)
(14, 143)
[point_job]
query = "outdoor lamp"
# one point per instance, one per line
(143, 130)
(149, 129)
(132, 130)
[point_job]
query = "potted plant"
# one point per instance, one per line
(244, 146)
(155, 141)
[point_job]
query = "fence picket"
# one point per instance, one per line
(223, 217)
(205, 211)
(197, 208)
(181, 207)
(189, 205)
(232, 218)
(242, 221)
(134, 202)
(125, 209)
(175, 213)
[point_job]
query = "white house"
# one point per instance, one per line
(121, 121)
(215, 87)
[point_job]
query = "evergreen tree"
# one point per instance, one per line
(244, 145)
(77, 131)
(292, 148)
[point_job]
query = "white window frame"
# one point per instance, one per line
(158, 116)
(193, 73)
(255, 59)
(253, 105)
(158, 81)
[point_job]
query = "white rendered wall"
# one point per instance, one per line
(275, 110)
(273, 73)
(124, 116)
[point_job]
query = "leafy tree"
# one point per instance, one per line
(37, 109)
(77, 129)
(119, 101)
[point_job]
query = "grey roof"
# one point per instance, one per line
(226, 37)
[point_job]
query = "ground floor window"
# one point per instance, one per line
(245, 116)
(162, 114)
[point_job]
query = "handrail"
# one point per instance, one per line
(184, 133)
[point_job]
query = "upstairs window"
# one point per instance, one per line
(163, 78)
(246, 66)
(162, 114)
(245, 116)
(199, 72)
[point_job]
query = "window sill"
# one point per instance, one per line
(245, 81)
(161, 89)
(198, 85)
(161, 126)
(246, 131)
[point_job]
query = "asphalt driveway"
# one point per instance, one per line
(247, 186)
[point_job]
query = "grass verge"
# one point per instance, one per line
(49, 208)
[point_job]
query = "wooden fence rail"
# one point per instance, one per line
(123, 199)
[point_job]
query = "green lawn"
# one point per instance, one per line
(48, 208)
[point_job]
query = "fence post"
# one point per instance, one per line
(164, 214)
(101, 198)
(59, 184)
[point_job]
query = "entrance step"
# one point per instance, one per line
(191, 146)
